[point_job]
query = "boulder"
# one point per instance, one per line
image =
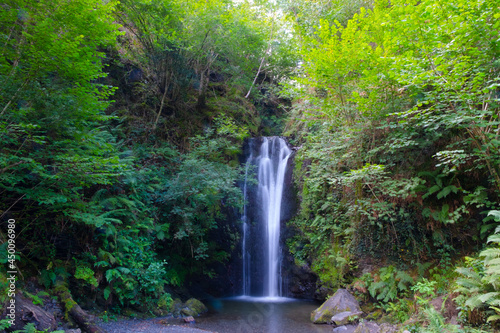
(176, 307)
(26, 312)
(368, 327)
(193, 308)
(344, 329)
(388, 328)
(189, 319)
(345, 317)
(341, 301)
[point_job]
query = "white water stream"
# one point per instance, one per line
(271, 167)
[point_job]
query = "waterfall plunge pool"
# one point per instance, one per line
(247, 314)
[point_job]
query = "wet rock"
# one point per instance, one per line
(302, 280)
(367, 327)
(322, 292)
(193, 307)
(345, 317)
(342, 301)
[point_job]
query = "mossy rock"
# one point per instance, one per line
(375, 315)
(193, 307)
(341, 301)
(176, 307)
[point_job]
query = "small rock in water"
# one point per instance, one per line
(188, 319)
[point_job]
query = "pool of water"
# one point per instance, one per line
(260, 315)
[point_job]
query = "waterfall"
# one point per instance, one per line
(245, 253)
(271, 162)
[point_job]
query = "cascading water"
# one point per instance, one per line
(271, 162)
(246, 254)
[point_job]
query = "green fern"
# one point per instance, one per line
(481, 282)
(392, 282)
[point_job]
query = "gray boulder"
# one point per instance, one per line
(344, 329)
(341, 301)
(368, 327)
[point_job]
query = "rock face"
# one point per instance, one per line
(26, 312)
(193, 308)
(342, 301)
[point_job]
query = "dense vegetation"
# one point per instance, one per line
(397, 113)
(121, 125)
(124, 198)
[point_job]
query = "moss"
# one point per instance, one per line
(193, 307)
(34, 298)
(176, 307)
(62, 291)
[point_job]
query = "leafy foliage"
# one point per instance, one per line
(102, 196)
(391, 283)
(480, 280)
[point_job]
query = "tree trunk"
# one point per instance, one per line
(26, 312)
(81, 318)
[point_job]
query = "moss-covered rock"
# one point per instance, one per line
(193, 307)
(176, 307)
(341, 301)
(345, 317)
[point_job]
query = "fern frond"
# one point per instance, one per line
(494, 317)
(474, 302)
(404, 279)
(494, 302)
(494, 262)
(374, 287)
(468, 272)
(494, 238)
(485, 298)
(99, 195)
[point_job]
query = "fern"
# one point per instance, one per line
(482, 285)
(392, 282)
